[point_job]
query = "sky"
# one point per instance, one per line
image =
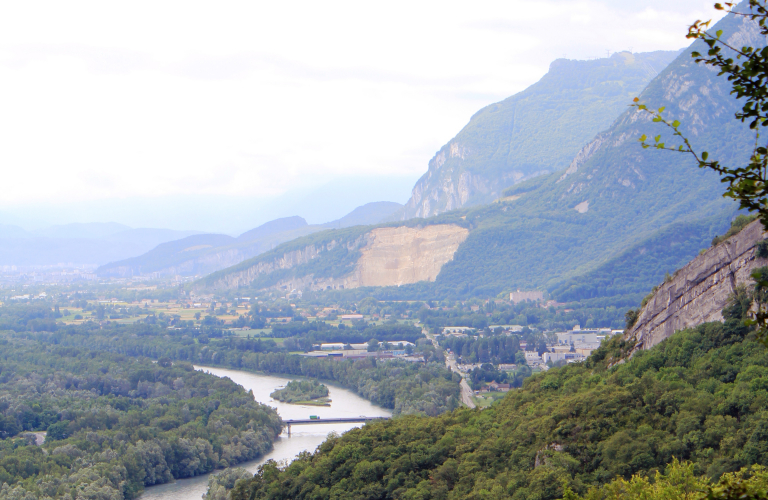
(219, 116)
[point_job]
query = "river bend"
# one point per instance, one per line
(345, 403)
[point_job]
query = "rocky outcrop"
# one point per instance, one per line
(698, 292)
(401, 255)
(535, 132)
(287, 260)
(389, 256)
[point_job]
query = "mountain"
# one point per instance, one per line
(273, 227)
(534, 132)
(554, 232)
(11, 231)
(370, 213)
(203, 254)
(79, 244)
(90, 230)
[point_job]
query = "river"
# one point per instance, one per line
(345, 403)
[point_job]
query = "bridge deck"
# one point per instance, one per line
(350, 420)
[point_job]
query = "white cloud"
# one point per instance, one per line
(149, 99)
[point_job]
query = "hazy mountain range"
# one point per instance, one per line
(205, 253)
(605, 227)
(586, 205)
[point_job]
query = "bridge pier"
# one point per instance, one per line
(289, 430)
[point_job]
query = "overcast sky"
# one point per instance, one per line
(122, 110)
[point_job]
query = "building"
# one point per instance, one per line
(533, 296)
(495, 386)
(508, 329)
(570, 357)
(532, 358)
(457, 330)
(507, 367)
(338, 346)
(351, 316)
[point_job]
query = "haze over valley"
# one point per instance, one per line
(499, 251)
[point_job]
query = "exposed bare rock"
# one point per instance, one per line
(401, 255)
(698, 292)
(389, 256)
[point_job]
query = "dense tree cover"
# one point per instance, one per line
(527, 314)
(300, 390)
(615, 282)
(425, 388)
(679, 481)
(116, 423)
(701, 396)
(489, 373)
(495, 349)
(320, 331)
(220, 484)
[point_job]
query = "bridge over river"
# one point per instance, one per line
(348, 420)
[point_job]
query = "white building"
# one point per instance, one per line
(560, 356)
(457, 330)
(532, 358)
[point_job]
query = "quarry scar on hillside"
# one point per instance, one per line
(387, 256)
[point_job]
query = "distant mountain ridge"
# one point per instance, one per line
(206, 253)
(582, 233)
(79, 244)
(535, 132)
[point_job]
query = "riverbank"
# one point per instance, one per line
(303, 438)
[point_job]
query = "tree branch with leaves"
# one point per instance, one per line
(747, 70)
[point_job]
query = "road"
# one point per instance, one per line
(450, 362)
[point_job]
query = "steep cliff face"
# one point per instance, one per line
(384, 256)
(698, 292)
(400, 255)
(535, 132)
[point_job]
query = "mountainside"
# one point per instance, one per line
(582, 233)
(700, 396)
(534, 132)
(698, 292)
(359, 256)
(273, 227)
(203, 254)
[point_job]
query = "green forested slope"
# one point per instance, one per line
(628, 200)
(116, 424)
(534, 132)
(701, 396)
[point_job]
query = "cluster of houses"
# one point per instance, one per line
(571, 346)
(399, 349)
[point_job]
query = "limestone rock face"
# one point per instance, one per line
(402, 255)
(389, 256)
(699, 291)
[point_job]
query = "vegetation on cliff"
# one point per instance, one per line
(700, 396)
(538, 130)
(680, 482)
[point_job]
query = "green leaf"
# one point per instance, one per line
(657, 138)
(704, 156)
(675, 124)
(719, 33)
(661, 109)
(643, 138)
